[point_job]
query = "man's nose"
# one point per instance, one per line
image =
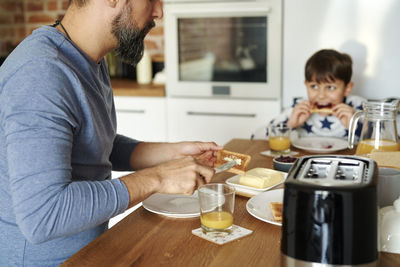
(158, 10)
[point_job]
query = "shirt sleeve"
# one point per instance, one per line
(38, 128)
(121, 153)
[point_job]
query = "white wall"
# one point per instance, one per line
(368, 30)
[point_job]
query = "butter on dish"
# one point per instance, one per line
(261, 178)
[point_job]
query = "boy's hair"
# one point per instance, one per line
(328, 65)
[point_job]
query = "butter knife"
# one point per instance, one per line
(225, 166)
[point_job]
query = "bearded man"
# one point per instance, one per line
(58, 140)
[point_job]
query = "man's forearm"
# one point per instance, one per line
(140, 185)
(148, 154)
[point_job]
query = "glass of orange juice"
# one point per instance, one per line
(279, 138)
(217, 202)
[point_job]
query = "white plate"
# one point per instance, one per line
(176, 206)
(269, 153)
(258, 206)
(248, 190)
(320, 144)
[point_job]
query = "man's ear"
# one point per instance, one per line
(348, 88)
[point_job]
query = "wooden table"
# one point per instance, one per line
(147, 239)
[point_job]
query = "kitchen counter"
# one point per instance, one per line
(126, 87)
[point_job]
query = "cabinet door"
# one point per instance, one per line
(142, 118)
(217, 120)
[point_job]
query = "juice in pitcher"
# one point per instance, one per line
(379, 130)
(366, 146)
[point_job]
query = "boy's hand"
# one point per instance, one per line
(301, 112)
(344, 113)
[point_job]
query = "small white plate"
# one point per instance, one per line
(248, 190)
(258, 206)
(318, 144)
(269, 153)
(175, 206)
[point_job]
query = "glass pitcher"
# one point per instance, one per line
(379, 130)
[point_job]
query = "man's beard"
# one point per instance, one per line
(130, 37)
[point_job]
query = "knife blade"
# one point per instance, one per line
(225, 166)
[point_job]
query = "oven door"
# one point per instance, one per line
(223, 49)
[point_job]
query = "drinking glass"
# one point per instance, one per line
(217, 203)
(279, 138)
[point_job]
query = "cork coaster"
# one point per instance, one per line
(223, 238)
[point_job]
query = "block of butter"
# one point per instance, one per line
(261, 178)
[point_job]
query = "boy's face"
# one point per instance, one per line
(327, 94)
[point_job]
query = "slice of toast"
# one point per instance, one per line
(242, 160)
(322, 110)
(276, 208)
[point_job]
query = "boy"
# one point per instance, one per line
(329, 107)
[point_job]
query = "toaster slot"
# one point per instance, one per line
(348, 171)
(332, 172)
(318, 169)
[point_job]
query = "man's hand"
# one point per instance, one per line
(170, 168)
(182, 176)
(205, 152)
(301, 112)
(178, 176)
(344, 113)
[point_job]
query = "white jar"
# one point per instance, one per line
(144, 69)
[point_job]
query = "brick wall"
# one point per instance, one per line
(18, 18)
(12, 28)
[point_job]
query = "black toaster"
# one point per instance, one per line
(330, 212)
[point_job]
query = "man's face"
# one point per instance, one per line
(326, 94)
(129, 36)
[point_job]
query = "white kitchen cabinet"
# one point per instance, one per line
(142, 118)
(217, 120)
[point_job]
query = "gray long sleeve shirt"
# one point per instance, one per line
(58, 145)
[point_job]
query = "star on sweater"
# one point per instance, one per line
(360, 107)
(307, 127)
(326, 124)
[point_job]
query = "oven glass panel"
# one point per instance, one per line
(223, 49)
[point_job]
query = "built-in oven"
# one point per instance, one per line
(223, 48)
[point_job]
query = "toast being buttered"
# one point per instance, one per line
(242, 160)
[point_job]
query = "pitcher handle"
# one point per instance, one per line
(352, 128)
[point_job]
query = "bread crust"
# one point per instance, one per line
(322, 110)
(276, 208)
(240, 168)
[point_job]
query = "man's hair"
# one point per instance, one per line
(328, 65)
